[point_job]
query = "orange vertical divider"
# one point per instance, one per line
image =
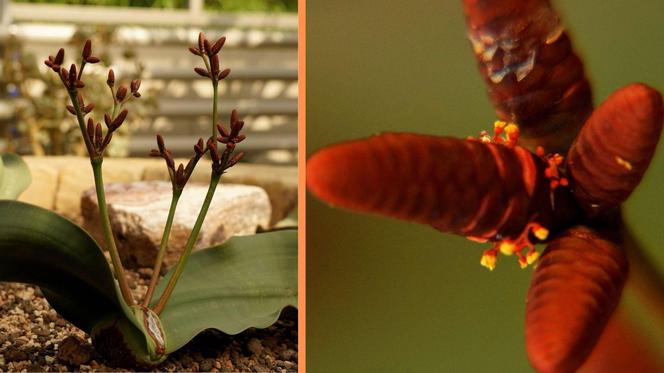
(301, 204)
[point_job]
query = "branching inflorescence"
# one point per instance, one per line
(511, 192)
(96, 141)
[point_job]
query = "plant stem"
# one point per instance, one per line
(162, 247)
(96, 161)
(81, 122)
(215, 86)
(108, 233)
(163, 299)
(215, 95)
(116, 106)
(80, 71)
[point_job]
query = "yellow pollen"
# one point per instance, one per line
(512, 134)
(499, 125)
(523, 263)
(541, 233)
(507, 247)
(532, 257)
(512, 129)
(488, 260)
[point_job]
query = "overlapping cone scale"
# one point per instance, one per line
(533, 76)
(615, 146)
(574, 290)
(460, 186)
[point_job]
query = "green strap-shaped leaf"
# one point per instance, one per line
(40, 247)
(14, 176)
(243, 283)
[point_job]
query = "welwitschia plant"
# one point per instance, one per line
(243, 283)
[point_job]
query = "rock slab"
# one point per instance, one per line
(138, 213)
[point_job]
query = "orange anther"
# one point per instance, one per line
(532, 257)
(523, 262)
(489, 259)
(522, 246)
(511, 131)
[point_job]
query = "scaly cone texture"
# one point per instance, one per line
(533, 76)
(615, 147)
(459, 186)
(574, 291)
(493, 190)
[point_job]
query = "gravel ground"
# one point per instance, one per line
(34, 338)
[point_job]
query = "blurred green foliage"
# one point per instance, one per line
(40, 125)
(252, 5)
(214, 5)
(168, 4)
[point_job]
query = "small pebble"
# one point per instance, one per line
(34, 338)
(74, 351)
(207, 365)
(60, 322)
(145, 273)
(27, 306)
(187, 361)
(255, 346)
(41, 331)
(35, 368)
(15, 354)
(288, 354)
(131, 282)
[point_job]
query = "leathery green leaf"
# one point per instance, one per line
(14, 176)
(243, 283)
(42, 248)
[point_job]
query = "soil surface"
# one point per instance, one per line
(34, 338)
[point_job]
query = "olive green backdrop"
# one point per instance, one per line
(393, 296)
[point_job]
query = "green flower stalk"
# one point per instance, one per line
(95, 143)
(220, 162)
(179, 178)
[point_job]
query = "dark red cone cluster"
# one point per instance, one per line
(464, 187)
(533, 76)
(574, 291)
(491, 190)
(615, 147)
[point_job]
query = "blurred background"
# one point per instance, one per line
(148, 39)
(385, 295)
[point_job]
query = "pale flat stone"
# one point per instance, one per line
(280, 182)
(138, 213)
(77, 177)
(60, 180)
